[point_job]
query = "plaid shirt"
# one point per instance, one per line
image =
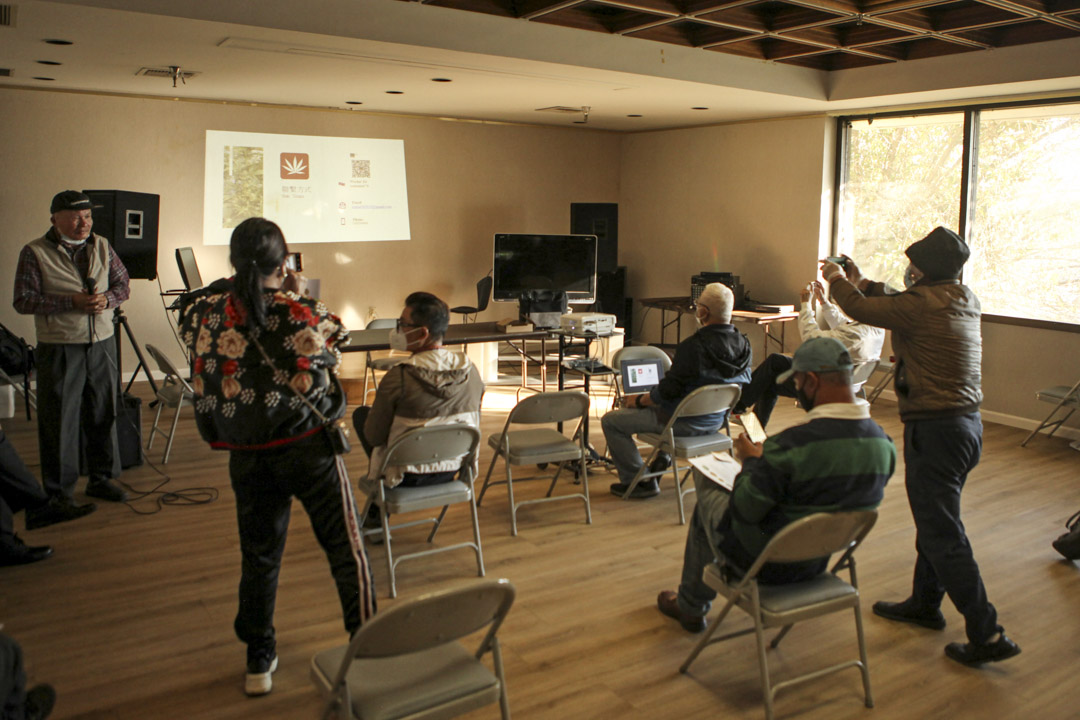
(31, 300)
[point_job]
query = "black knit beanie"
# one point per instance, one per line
(940, 255)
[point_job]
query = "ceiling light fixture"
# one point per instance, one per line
(584, 116)
(48, 62)
(395, 92)
(635, 115)
(699, 108)
(353, 102)
(55, 41)
(177, 75)
(44, 78)
(441, 80)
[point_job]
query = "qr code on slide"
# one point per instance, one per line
(361, 169)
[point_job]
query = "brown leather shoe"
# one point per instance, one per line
(668, 603)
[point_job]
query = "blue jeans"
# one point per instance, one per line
(702, 543)
(938, 455)
(620, 426)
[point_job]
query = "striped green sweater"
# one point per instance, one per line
(839, 459)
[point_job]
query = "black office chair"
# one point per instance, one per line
(483, 296)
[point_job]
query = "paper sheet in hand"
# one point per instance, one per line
(719, 467)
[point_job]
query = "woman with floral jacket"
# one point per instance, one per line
(265, 387)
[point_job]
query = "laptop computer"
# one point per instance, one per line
(640, 376)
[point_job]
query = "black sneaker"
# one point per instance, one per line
(106, 489)
(1069, 543)
(16, 552)
(373, 519)
(909, 612)
(644, 490)
(973, 654)
(660, 463)
(261, 664)
(57, 510)
(39, 702)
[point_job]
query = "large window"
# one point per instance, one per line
(1007, 178)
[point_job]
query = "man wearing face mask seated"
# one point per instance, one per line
(434, 386)
(716, 354)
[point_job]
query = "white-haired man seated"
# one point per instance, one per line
(716, 354)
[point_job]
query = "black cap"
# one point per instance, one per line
(940, 255)
(70, 200)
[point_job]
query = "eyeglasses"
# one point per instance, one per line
(401, 324)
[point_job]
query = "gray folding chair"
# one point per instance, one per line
(408, 661)
(860, 374)
(416, 447)
(635, 352)
(174, 392)
(1063, 397)
(706, 400)
(542, 445)
(888, 372)
(373, 364)
(815, 536)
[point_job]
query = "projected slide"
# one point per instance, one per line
(318, 189)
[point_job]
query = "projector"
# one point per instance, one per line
(588, 322)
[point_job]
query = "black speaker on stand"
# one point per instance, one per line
(601, 220)
(129, 221)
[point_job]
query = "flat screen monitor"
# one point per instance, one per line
(189, 269)
(545, 262)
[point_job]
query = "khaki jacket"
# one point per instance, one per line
(937, 338)
(433, 387)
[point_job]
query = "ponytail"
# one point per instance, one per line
(256, 250)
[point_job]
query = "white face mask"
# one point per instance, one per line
(399, 340)
(69, 241)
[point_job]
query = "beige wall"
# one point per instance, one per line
(466, 182)
(755, 198)
(752, 198)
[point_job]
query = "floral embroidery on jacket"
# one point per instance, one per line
(240, 399)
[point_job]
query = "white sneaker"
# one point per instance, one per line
(259, 682)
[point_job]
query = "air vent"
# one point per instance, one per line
(165, 73)
(7, 15)
(559, 109)
(5, 72)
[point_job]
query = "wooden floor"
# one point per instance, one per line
(132, 617)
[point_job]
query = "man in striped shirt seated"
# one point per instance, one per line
(838, 459)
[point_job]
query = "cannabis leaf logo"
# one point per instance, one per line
(294, 166)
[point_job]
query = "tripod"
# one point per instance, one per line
(119, 318)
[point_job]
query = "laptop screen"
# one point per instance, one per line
(641, 376)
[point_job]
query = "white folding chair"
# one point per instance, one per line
(174, 392)
(634, 352)
(1063, 397)
(373, 364)
(815, 536)
(860, 375)
(408, 661)
(416, 447)
(706, 400)
(542, 445)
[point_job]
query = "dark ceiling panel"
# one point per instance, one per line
(823, 34)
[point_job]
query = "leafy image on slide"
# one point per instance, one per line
(242, 190)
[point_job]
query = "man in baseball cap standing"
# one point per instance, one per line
(67, 279)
